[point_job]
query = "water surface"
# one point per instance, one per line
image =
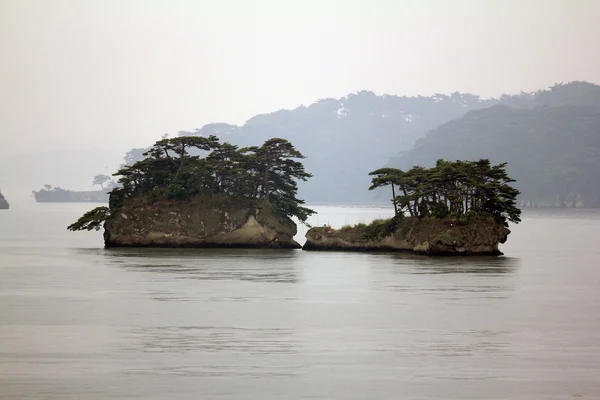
(81, 322)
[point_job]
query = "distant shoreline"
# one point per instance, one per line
(58, 195)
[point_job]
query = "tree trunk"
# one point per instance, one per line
(410, 211)
(182, 155)
(266, 182)
(394, 200)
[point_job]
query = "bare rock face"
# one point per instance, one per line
(427, 236)
(217, 221)
(3, 203)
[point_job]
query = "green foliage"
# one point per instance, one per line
(452, 189)
(275, 162)
(376, 229)
(439, 210)
(117, 198)
(182, 167)
(380, 228)
(91, 220)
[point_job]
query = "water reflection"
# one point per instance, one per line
(203, 339)
(454, 279)
(217, 272)
(205, 264)
(417, 264)
(162, 253)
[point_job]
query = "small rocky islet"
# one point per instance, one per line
(428, 236)
(193, 191)
(3, 202)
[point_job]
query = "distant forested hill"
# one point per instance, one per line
(344, 139)
(551, 143)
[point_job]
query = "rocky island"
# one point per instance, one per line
(193, 191)
(454, 208)
(202, 221)
(3, 203)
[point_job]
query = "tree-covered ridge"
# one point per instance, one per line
(553, 152)
(344, 137)
(451, 188)
(577, 93)
(183, 167)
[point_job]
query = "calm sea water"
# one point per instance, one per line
(81, 322)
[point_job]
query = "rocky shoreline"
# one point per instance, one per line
(209, 222)
(226, 222)
(427, 236)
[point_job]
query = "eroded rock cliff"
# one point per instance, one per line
(218, 221)
(428, 236)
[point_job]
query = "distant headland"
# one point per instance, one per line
(549, 138)
(50, 194)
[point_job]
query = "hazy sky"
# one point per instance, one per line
(119, 73)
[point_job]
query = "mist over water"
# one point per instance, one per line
(79, 321)
(88, 86)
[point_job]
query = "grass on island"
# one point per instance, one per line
(372, 230)
(380, 228)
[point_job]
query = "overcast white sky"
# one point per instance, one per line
(118, 74)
